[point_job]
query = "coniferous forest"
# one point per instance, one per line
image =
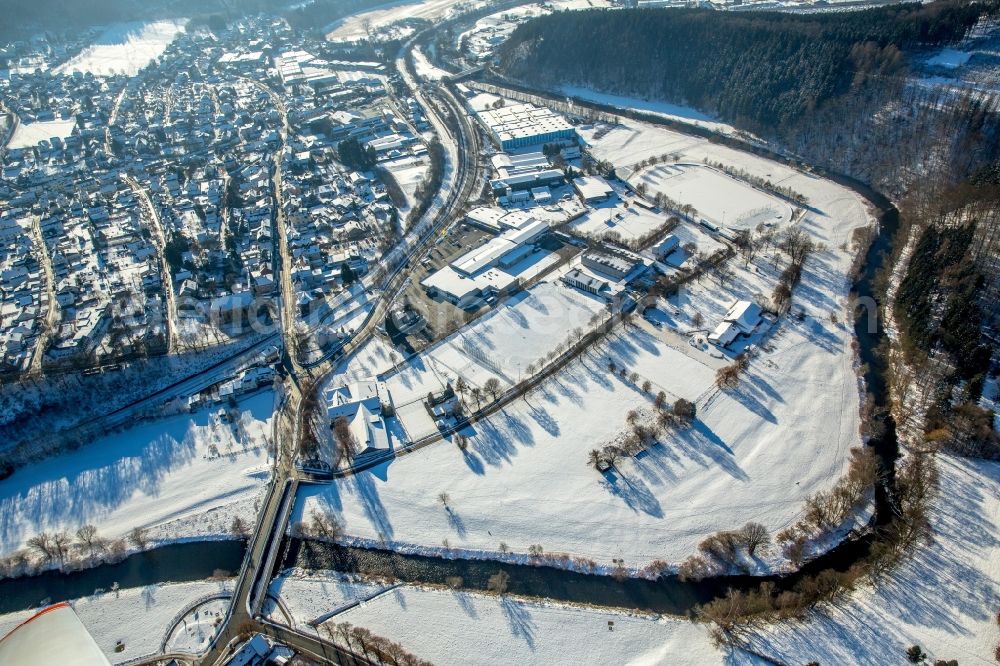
(759, 70)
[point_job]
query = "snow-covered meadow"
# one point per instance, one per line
(518, 332)
(170, 472)
(945, 599)
(124, 48)
(356, 26)
(446, 627)
(716, 196)
(27, 135)
(409, 172)
(754, 453)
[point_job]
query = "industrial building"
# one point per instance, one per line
(520, 125)
(606, 273)
(526, 172)
(483, 270)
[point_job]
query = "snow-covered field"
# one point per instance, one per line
(754, 453)
(124, 48)
(518, 332)
(950, 58)
(945, 599)
(173, 469)
(409, 172)
(667, 110)
(138, 617)
(630, 223)
(446, 627)
(352, 28)
(715, 195)
(310, 596)
(27, 135)
(424, 68)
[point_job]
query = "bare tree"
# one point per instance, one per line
(444, 498)
(346, 441)
(684, 410)
(42, 544)
(492, 386)
(88, 539)
(727, 377)
(754, 536)
(239, 527)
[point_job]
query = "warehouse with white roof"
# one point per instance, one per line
(520, 125)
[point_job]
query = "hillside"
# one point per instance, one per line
(760, 70)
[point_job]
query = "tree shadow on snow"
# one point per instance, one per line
(633, 491)
(519, 619)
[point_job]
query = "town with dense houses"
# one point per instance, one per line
(347, 332)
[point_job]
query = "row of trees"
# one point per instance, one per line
(63, 549)
(374, 647)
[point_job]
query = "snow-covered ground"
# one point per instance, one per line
(754, 453)
(124, 48)
(517, 333)
(446, 627)
(631, 223)
(196, 630)
(716, 196)
(409, 172)
(424, 68)
(353, 27)
(310, 596)
(138, 617)
(27, 135)
(173, 471)
(945, 599)
(949, 58)
(667, 110)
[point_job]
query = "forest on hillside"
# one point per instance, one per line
(947, 310)
(759, 70)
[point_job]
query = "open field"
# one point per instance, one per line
(448, 627)
(124, 48)
(353, 27)
(170, 469)
(945, 599)
(27, 135)
(518, 332)
(716, 196)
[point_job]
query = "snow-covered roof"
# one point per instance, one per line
(745, 314)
